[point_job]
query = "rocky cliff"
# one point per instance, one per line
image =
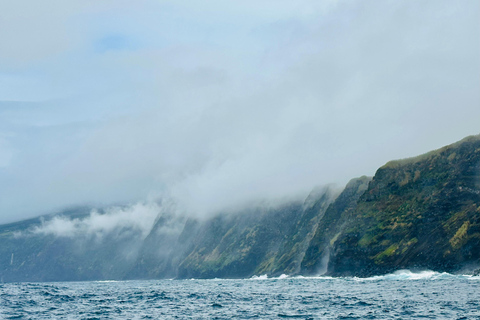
(258, 240)
(26, 255)
(422, 213)
(336, 219)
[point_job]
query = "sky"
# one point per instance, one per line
(218, 104)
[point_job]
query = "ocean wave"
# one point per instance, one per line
(286, 276)
(261, 277)
(272, 298)
(398, 275)
(316, 277)
(280, 277)
(410, 275)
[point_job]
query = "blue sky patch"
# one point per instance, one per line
(115, 42)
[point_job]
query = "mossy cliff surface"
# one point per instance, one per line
(259, 240)
(336, 218)
(422, 212)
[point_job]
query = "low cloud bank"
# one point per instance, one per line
(219, 106)
(139, 217)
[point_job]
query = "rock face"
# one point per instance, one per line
(261, 241)
(422, 213)
(258, 240)
(28, 256)
(336, 218)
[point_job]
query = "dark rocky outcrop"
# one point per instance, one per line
(422, 212)
(336, 219)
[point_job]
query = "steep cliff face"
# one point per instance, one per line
(164, 248)
(287, 260)
(259, 241)
(331, 225)
(29, 256)
(422, 212)
(236, 245)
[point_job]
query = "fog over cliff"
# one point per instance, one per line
(219, 104)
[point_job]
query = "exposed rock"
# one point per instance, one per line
(422, 212)
(418, 213)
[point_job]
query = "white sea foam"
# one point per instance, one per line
(286, 276)
(410, 275)
(397, 275)
(314, 277)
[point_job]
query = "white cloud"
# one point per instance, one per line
(139, 218)
(218, 104)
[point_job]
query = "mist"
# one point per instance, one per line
(138, 218)
(220, 106)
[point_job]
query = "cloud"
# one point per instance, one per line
(219, 105)
(139, 217)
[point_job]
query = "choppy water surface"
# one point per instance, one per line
(403, 295)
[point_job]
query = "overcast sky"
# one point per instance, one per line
(220, 103)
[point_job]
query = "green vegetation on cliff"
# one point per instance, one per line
(336, 218)
(259, 241)
(422, 212)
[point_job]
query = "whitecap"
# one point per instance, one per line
(406, 274)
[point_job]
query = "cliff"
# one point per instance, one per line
(422, 212)
(29, 256)
(417, 213)
(258, 240)
(336, 218)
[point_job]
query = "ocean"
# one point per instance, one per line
(401, 295)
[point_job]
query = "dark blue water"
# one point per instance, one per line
(403, 295)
